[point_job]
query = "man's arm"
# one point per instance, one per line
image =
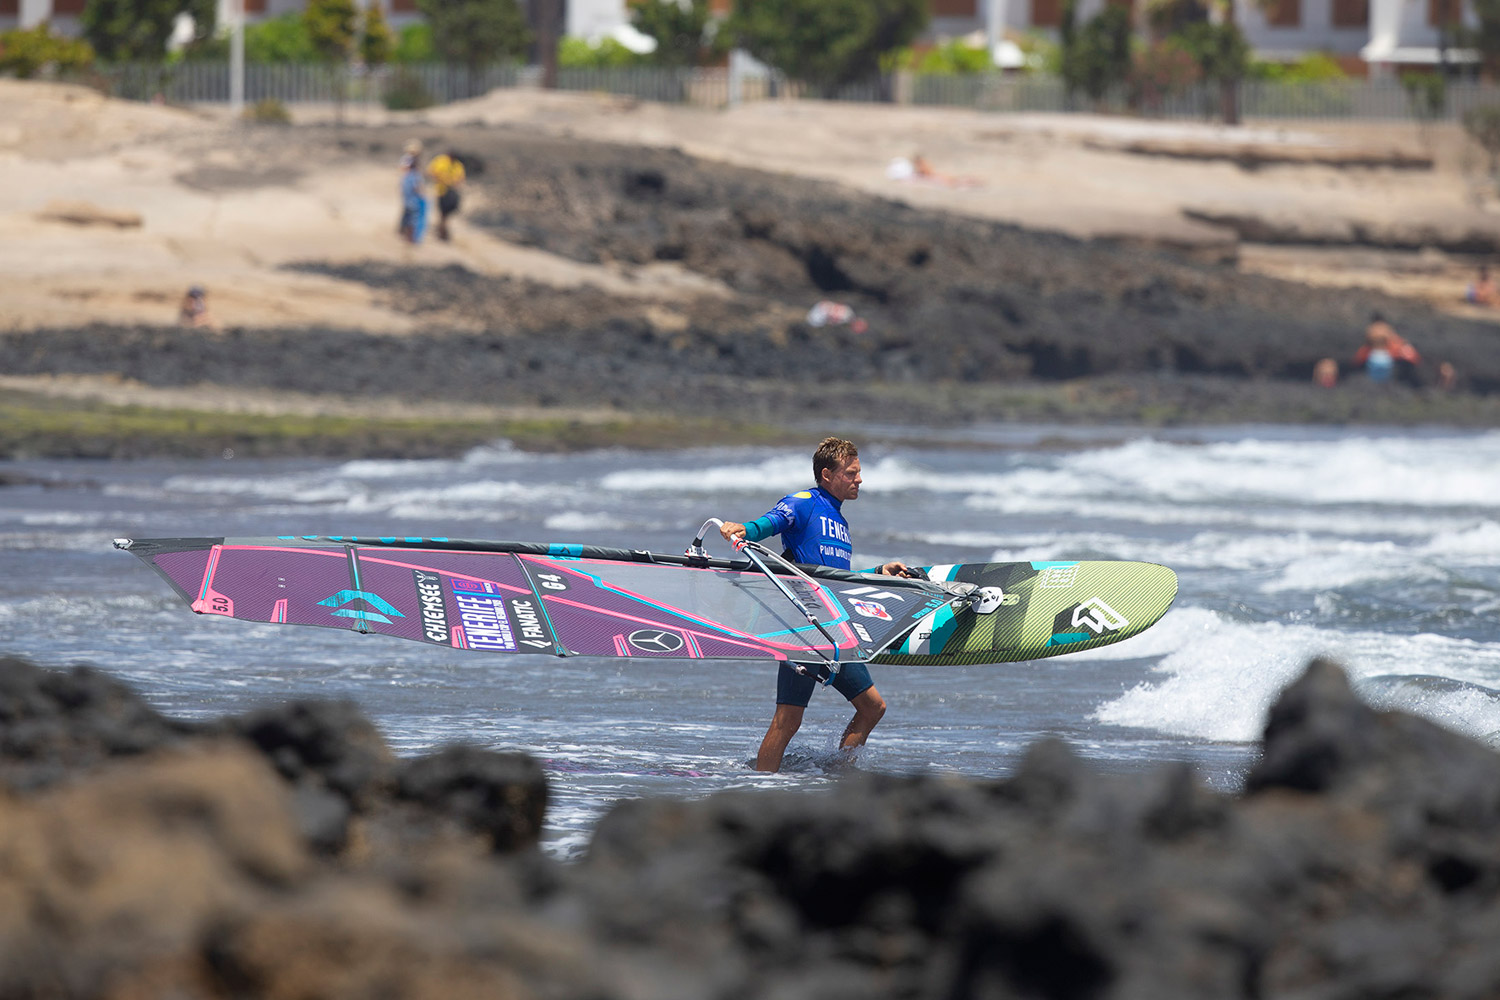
(756, 530)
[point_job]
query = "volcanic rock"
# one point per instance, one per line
(1359, 861)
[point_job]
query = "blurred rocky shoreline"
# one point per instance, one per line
(645, 284)
(959, 320)
(286, 852)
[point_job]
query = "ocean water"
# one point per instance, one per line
(1381, 549)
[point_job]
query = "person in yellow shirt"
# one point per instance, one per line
(447, 173)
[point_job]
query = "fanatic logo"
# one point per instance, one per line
(1098, 616)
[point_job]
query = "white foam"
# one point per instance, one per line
(786, 472)
(61, 518)
(1473, 544)
(1350, 565)
(1471, 709)
(1340, 521)
(495, 453)
(60, 541)
(318, 487)
(484, 499)
(1456, 471)
(1296, 561)
(577, 520)
(1222, 675)
(370, 468)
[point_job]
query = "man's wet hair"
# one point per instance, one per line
(832, 453)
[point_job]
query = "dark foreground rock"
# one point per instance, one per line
(1362, 860)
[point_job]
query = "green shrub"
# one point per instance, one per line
(27, 53)
(577, 53)
(1315, 67)
(827, 44)
(1426, 93)
(406, 92)
(376, 43)
(950, 58)
(414, 44)
(268, 111)
(1158, 72)
(1096, 56)
(281, 39)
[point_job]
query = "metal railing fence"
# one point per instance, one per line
(412, 85)
(194, 82)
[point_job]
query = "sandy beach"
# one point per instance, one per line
(113, 209)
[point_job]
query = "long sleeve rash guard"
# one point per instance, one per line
(812, 528)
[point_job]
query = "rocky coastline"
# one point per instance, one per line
(287, 852)
(963, 319)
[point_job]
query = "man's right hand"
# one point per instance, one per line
(733, 532)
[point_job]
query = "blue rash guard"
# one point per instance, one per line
(812, 528)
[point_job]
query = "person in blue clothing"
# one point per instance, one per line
(413, 198)
(813, 530)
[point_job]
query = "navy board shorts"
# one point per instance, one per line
(796, 689)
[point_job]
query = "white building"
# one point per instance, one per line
(1379, 33)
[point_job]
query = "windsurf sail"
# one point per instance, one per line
(561, 600)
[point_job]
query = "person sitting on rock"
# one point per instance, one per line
(194, 309)
(1484, 291)
(1326, 373)
(1385, 353)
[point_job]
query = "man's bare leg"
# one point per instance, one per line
(784, 725)
(869, 708)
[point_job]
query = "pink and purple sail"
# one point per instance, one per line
(520, 597)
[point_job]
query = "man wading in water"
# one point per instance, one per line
(813, 530)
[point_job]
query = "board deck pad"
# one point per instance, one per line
(574, 600)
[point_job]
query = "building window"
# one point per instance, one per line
(1046, 13)
(403, 6)
(1351, 13)
(1441, 12)
(10, 8)
(67, 8)
(955, 8)
(254, 6)
(1284, 14)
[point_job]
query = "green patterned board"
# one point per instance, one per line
(1043, 609)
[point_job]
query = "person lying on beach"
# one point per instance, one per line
(918, 169)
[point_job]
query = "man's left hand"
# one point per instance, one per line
(902, 570)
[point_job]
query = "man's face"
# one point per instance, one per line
(843, 481)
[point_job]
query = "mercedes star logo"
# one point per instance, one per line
(655, 640)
